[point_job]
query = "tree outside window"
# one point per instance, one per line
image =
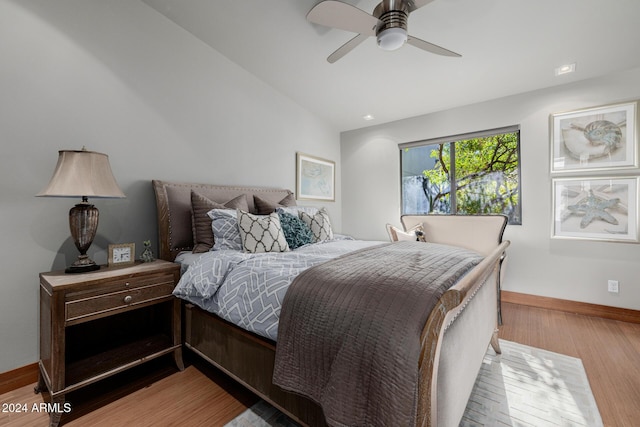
(470, 176)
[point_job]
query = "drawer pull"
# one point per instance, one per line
(128, 299)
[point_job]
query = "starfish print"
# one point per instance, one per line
(594, 207)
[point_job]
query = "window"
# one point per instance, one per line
(471, 174)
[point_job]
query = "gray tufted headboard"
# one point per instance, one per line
(173, 203)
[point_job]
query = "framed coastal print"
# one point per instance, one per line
(315, 178)
(601, 138)
(596, 208)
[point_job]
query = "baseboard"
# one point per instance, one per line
(19, 377)
(576, 307)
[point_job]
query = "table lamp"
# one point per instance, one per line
(82, 174)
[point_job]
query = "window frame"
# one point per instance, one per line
(452, 140)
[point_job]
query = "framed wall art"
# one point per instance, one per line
(595, 208)
(601, 138)
(315, 178)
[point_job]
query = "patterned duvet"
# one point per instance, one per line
(248, 289)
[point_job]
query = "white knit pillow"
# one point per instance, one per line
(261, 233)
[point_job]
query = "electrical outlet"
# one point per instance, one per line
(612, 286)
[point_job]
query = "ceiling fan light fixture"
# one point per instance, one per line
(392, 38)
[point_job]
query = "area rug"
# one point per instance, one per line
(524, 386)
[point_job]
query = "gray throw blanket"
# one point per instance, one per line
(349, 332)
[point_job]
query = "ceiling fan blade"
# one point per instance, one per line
(417, 4)
(343, 16)
(430, 47)
(346, 48)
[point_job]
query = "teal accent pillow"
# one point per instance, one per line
(295, 230)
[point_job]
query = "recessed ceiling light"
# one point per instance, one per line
(566, 69)
(368, 117)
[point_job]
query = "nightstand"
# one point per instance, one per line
(98, 324)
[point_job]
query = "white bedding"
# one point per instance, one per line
(248, 289)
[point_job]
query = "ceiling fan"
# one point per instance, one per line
(388, 24)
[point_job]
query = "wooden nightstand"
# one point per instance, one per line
(98, 324)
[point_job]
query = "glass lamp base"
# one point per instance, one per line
(83, 222)
(82, 265)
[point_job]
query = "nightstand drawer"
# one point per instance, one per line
(100, 304)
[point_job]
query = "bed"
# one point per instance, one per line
(452, 340)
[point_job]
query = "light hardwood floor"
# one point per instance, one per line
(609, 349)
(194, 397)
(610, 352)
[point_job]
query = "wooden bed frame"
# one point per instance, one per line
(454, 339)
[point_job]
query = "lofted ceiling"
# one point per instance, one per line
(507, 47)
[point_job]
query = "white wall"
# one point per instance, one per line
(121, 79)
(566, 269)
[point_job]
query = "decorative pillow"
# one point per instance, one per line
(226, 234)
(261, 233)
(295, 210)
(201, 222)
(319, 224)
(265, 207)
(295, 230)
(414, 234)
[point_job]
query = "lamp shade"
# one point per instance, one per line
(82, 173)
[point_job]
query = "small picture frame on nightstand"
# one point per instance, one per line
(122, 254)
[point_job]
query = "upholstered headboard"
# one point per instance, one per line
(173, 203)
